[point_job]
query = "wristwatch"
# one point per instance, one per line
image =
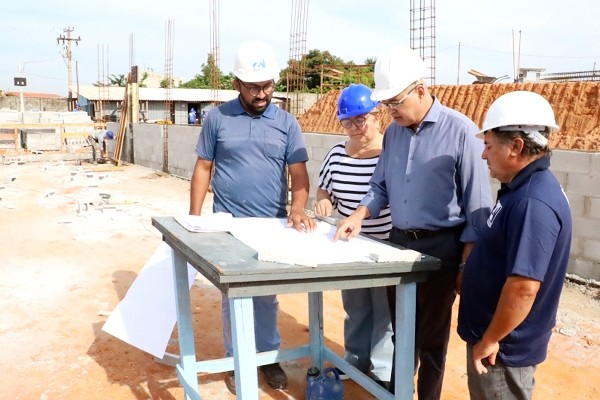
(461, 266)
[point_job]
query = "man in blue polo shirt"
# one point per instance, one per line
(250, 142)
(513, 278)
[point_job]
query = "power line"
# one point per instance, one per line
(462, 45)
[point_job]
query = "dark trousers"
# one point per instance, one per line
(435, 297)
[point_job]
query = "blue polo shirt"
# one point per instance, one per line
(250, 155)
(528, 234)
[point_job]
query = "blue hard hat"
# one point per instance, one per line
(355, 100)
(110, 135)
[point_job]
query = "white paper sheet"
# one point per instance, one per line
(217, 222)
(146, 316)
(274, 241)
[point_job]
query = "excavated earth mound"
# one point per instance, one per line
(575, 105)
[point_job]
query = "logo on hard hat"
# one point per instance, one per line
(259, 65)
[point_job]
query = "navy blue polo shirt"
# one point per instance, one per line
(528, 234)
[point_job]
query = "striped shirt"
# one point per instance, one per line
(346, 179)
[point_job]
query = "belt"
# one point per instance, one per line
(417, 234)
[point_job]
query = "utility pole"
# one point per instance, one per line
(67, 55)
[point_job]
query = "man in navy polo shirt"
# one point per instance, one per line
(513, 278)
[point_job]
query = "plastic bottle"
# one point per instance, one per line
(327, 386)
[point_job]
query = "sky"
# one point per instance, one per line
(559, 36)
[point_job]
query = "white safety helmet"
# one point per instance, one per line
(395, 70)
(255, 62)
(523, 111)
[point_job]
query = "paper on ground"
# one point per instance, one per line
(146, 316)
(274, 241)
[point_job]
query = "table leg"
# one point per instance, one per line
(406, 300)
(244, 347)
(187, 359)
(315, 327)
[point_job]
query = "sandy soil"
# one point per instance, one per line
(69, 254)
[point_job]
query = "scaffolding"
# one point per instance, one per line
(169, 107)
(422, 33)
(215, 72)
(103, 84)
(338, 76)
(296, 68)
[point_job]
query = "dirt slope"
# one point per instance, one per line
(575, 105)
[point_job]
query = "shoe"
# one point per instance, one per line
(341, 373)
(230, 381)
(276, 377)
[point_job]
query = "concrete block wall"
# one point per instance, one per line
(148, 145)
(317, 145)
(182, 142)
(579, 174)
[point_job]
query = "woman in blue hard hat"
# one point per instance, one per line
(343, 181)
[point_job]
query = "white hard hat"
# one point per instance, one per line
(521, 111)
(395, 70)
(255, 62)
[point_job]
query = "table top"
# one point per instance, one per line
(234, 268)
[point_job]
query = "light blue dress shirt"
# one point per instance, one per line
(433, 178)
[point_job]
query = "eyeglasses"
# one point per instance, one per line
(255, 90)
(359, 122)
(397, 104)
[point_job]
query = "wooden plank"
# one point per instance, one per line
(122, 124)
(8, 136)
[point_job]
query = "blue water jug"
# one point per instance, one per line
(326, 386)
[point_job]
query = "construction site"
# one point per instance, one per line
(78, 233)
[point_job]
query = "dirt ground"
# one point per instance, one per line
(76, 236)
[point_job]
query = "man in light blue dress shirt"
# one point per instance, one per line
(433, 177)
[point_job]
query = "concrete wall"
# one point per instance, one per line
(144, 145)
(34, 103)
(578, 173)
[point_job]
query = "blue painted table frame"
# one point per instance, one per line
(234, 269)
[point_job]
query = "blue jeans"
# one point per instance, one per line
(265, 324)
(500, 382)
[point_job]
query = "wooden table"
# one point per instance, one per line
(234, 269)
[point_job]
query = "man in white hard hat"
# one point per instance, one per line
(514, 276)
(431, 174)
(250, 142)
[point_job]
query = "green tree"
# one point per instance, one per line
(317, 62)
(118, 80)
(204, 79)
(165, 83)
(114, 80)
(143, 80)
(313, 62)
